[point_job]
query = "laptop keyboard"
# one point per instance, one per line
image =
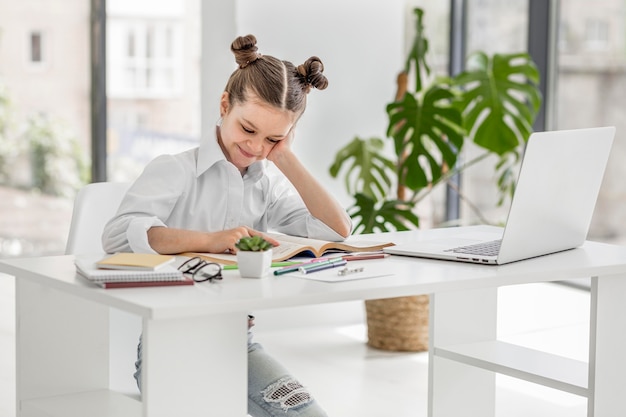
(485, 248)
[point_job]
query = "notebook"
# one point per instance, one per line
(551, 210)
(87, 267)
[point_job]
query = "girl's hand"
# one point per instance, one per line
(224, 241)
(282, 148)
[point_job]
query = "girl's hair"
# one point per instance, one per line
(278, 83)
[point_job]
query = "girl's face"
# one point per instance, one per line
(250, 130)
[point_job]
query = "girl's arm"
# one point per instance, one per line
(320, 203)
(167, 240)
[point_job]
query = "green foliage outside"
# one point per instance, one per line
(58, 166)
(7, 149)
(492, 103)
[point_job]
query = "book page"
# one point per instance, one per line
(286, 250)
(291, 246)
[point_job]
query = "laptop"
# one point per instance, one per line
(557, 188)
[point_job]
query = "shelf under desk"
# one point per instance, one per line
(531, 365)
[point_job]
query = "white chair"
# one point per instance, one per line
(94, 205)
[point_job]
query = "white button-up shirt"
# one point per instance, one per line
(200, 190)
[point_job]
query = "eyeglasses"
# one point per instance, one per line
(201, 270)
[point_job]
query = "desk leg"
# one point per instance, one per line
(195, 367)
(62, 343)
(456, 318)
(607, 350)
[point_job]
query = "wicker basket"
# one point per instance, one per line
(398, 324)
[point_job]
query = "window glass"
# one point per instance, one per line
(44, 122)
(153, 82)
(591, 80)
(45, 127)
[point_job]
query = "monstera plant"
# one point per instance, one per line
(492, 103)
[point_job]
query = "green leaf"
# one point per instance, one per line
(429, 133)
(371, 216)
(507, 169)
(367, 171)
(500, 99)
(416, 57)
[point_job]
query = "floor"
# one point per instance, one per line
(352, 380)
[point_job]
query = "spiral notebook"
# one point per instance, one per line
(167, 275)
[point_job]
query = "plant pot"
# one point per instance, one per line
(398, 324)
(254, 264)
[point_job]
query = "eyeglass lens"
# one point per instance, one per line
(207, 271)
(201, 270)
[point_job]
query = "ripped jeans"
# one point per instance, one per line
(272, 391)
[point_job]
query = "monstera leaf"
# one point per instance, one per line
(500, 99)
(368, 172)
(428, 133)
(416, 57)
(371, 215)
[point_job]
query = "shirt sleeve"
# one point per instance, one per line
(148, 203)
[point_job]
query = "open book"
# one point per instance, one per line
(291, 246)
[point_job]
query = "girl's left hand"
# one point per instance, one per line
(282, 147)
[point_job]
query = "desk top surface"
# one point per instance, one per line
(408, 276)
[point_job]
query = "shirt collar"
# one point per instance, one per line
(210, 153)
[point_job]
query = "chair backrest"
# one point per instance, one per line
(95, 204)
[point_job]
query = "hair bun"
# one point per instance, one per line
(245, 50)
(311, 73)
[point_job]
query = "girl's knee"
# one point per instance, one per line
(288, 397)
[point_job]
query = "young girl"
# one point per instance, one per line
(207, 198)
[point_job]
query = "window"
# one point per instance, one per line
(591, 79)
(150, 63)
(153, 82)
(596, 34)
(44, 122)
(36, 47)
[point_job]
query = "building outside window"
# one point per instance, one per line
(36, 47)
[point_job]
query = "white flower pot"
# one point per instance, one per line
(254, 264)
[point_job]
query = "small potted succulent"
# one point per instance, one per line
(254, 257)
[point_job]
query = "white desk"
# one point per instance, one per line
(195, 337)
